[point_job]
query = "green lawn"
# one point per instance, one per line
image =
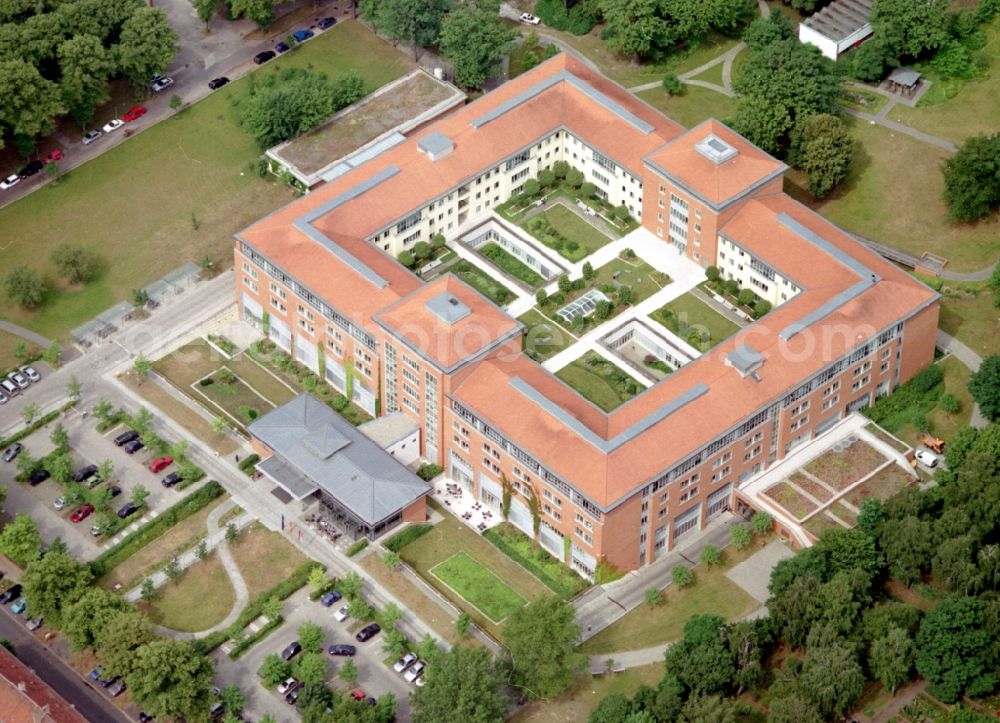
(265, 558)
(693, 107)
(482, 282)
(973, 319)
(893, 195)
(201, 597)
(600, 381)
(576, 703)
(543, 337)
(133, 204)
(478, 586)
(696, 322)
(941, 423)
(643, 278)
(235, 398)
(712, 75)
(565, 232)
(511, 265)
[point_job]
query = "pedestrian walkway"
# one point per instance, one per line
(26, 334)
(972, 360)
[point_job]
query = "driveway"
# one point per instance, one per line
(374, 677)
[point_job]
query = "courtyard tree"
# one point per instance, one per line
(348, 671)
(739, 536)
(541, 638)
(19, 539)
(761, 523)
(474, 39)
(53, 583)
(823, 148)
(273, 670)
(121, 638)
(466, 687)
(984, 385)
(310, 668)
(83, 619)
(24, 286)
(681, 575)
(74, 263)
(171, 678)
(311, 637)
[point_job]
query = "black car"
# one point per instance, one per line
(85, 473)
(261, 58)
(108, 682)
(367, 632)
(12, 593)
(126, 437)
(31, 169)
(171, 479)
(293, 695)
(343, 650)
(291, 650)
(282, 47)
(144, 717)
(115, 491)
(330, 598)
(217, 710)
(134, 446)
(38, 476)
(216, 83)
(128, 509)
(327, 23)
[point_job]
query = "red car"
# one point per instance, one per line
(159, 464)
(53, 156)
(82, 513)
(358, 694)
(137, 112)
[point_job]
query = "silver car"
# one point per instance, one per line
(415, 672)
(31, 373)
(91, 136)
(19, 379)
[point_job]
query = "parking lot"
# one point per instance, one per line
(374, 677)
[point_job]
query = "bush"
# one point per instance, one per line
(672, 84)
(587, 190)
(422, 250)
(427, 472)
(746, 297)
(681, 576)
(578, 19)
(711, 555)
(739, 536)
(949, 403)
(357, 547)
(437, 241)
(546, 178)
(561, 169)
(523, 550)
(761, 308)
(761, 523)
(403, 538)
(712, 273)
(247, 463)
(406, 259)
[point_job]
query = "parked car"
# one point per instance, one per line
(9, 387)
(171, 479)
(31, 169)
(108, 682)
(11, 593)
(326, 23)
(134, 113)
(3, 397)
(85, 472)
(161, 83)
(342, 650)
(134, 446)
(60, 502)
(128, 509)
(34, 623)
(330, 598)
(112, 125)
(115, 491)
(81, 513)
(160, 463)
(411, 675)
(10, 181)
(216, 83)
(95, 674)
(367, 632)
(19, 605)
(282, 47)
(91, 136)
(217, 710)
(117, 689)
(291, 650)
(54, 155)
(405, 662)
(529, 19)
(126, 437)
(358, 694)
(286, 685)
(341, 615)
(261, 58)
(12, 451)
(145, 717)
(29, 371)
(293, 695)
(38, 476)
(302, 35)
(97, 530)
(928, 458)
(19, 379)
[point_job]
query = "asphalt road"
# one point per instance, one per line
(60, 677)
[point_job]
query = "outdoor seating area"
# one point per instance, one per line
(461, 503)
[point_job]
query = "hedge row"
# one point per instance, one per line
(252, 640)
(38, 424)
(532, 557)
(401, 539)
(135, 541)
(357, 547)
(247, 463)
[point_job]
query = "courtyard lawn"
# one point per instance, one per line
(543, 338)
(712, 75)
(201, 597)
(694, 106)
(972, 318)
(478, 586)
(576, 703)
(511, 265)
(264, 557)
(695, 322)
(233, 396)
(600, 381)
(712, 593)
(564, 231)
(133, 204)
(482, 282)
(643, 278)
(893, 195)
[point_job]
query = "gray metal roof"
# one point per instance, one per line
(436, 145)
(841, 18)
(314, 448)
(448, 308)
(904, 76)
(715, 149)
(744, 359)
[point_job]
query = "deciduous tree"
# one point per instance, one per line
(465, 686)
(891, 658)
(910, 28)
(85, 67)
(474, 40)
(171, 678)
(30, 101)
(953, 649)
(413, 22)
(984, 385)
(74, 263)
(823, 148)
(53, 583)
(90, 614)
(148, 45)
(541, 638)
(23, 284)
(19, 539)
(832, 678)
(120, 639)
(260, 12)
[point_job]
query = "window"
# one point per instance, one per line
(599, 178)
(604, 162)
(517, 160)
(830, 402)
(252, 286)
(409, 222)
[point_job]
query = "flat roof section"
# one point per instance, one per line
(396, 108)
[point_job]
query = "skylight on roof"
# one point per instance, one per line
(448, 308)
(715, 149)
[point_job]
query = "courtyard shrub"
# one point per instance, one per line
(711, 555)
(712, 273)
(672, 84)
(546, 178)
(437, 241)
(406, 259)
(531, 188)
(761, 523)
(761, 308)
(745, 297)
(357, 547)
(403, 538)
(574, 178)
(587, 190)
(910, 402)
(422, 250)
(427, 472)
(247, 463)
(739, 537)
(560, 169)
(681, 576)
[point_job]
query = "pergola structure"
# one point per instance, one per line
(905, 81)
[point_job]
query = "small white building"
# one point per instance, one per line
(838, 27)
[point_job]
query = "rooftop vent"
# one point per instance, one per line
(447, 308)
(746, 361)
(436, 145)
(715, 149)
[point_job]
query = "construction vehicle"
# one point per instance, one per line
(932, 443)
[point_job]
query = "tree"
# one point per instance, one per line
(175, 105)
(84, 619)
(120, 639)
(463, 623)
(952, 563)
(850, 549)
(310, 668)
(541, 296)
(711, 555)
(613, 708)
(60, 466)
(422, 250)
(359, 609)
(681, 575)
(102, 409)
(871, 60)
(273, 607)
(701, 660)
(910, 28)
(260, 12)
(823, 148)
(891, 658)
(953, 649)
(587, 270)
(311, 637)
(348, 671)
(907, 545)
(739, 536)
(273, 670)
(391, 614)
(427, 648)
(474, 39)
(142, 366)
(793, 708)
(466, 686)
(531, 188)
(705, 709)
(19, 539)
(30, 100)
(27, 464)
(205, 9)
(635, 28)
(832, 678)
(318, 580)
(147, 46)
(60, 437)
(54, 582)
(139, 495)
(30, 412)
(765, 31)
(233, 699)
(393, 643)
(171, 678)
(351, 585)
(796, 607)
(871, 513)
(413, 22)
(74, 388)
(406, 259)
(541, 638)
(672, 85)
(761, 523)
(85, 66)
(24, 286)
(653, 596)
(984, 385)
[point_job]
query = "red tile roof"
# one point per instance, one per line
(26, 698)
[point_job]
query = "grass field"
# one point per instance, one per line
(973, 320)
(942, 424)
(133, 204)
(693, 107)
(201, 597)
(695, 322)
(893, 195)
(7, 343)
(478, 586)
(236, 398)
(712, 75)
(265, 558)
(600, 381)
(643, 278)
(575, 704)
(544, 337)
(558, 227)
(482, 282)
